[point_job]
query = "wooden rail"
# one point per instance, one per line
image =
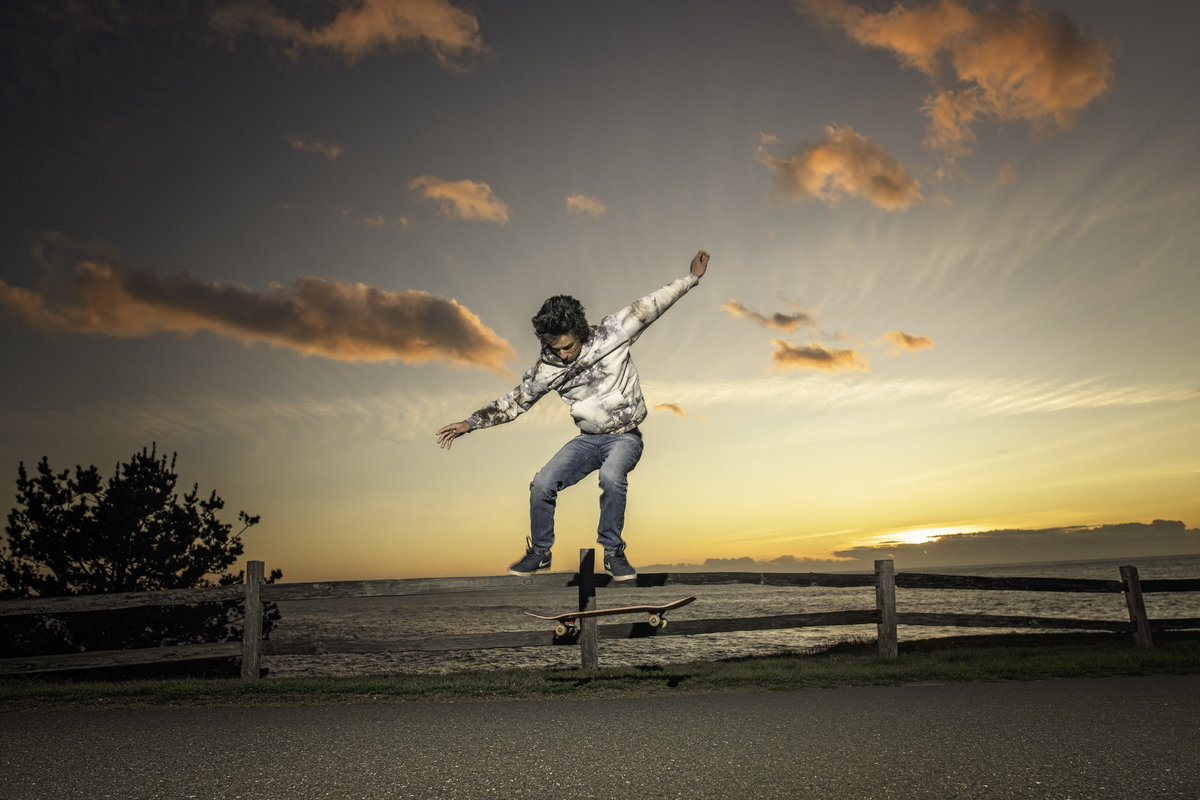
(884, 615)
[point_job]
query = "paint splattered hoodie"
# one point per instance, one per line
(601, 386)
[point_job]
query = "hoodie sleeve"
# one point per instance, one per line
(533, 387)
(637, 317)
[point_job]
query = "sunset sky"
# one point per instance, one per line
(952, 292)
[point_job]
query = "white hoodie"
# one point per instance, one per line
(601, 386)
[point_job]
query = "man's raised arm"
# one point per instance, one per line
(638, 316)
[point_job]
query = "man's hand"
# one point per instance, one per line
(699, 264)
(450, 432)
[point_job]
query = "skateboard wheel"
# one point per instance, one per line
(656, 621)
(560, 630)
(662, 622)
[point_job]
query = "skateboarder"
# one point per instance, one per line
(592, 370)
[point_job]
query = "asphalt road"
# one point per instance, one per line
(1098, 738)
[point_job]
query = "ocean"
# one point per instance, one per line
(373, 618)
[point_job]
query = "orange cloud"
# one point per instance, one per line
(843, 163)
(308, 144)
(1010, 61)
(363, 28)
(951, 115)
(814, 356)
(462, 199)
(907, 342)
(777, 321)
(674, 408)
(341, 321)
(581, 204)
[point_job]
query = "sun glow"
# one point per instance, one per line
(921, 535)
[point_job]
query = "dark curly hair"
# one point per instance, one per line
(559, 315)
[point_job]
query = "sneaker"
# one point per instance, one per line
(617, 565)
(535, 560)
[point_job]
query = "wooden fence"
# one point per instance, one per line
(885, 615)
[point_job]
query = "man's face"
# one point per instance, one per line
(567, 347)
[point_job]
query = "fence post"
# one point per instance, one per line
(252, 618)
(1137, 607)
(885, 604)
(589, 650)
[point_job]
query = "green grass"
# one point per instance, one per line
(962, 659)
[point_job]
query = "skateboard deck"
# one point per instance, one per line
(568, 622)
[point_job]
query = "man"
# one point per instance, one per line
(592, 370)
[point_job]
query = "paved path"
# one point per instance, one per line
(1100, 738)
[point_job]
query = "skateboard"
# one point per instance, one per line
(569, 622)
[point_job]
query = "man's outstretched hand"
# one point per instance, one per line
(447, 434)
(699, 264)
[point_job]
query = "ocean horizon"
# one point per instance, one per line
(479, 611)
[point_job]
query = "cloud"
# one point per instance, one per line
(962, 397)
(1007, 176)
(674, 408)
(376, 222)
(842, 163)
(381, 223)
(462, 199)
(748, 564)
(814, 356)
(951, 115)
(309, 144)
(341, 321)
(907, 342)
(363, 28)
(1009, 61)
(112, 16)
(1128, 540)
(582, 204)
(1160, 537)
(777, 321)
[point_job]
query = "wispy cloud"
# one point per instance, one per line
(199, 409)
(1010, 61)
(381, 223)
(311, 144)
(113, 16)
(463, 199)
(397, 413)
(776, 321)
(843, 163)
(583, 205)
(815, 356)
(363, 28)
(341, 321)
(907, 342)
(376, 222)
(969, 396)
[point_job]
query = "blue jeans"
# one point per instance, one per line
(614, 455)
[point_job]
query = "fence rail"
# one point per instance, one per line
(884, 615)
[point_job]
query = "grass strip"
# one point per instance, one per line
(958, 659)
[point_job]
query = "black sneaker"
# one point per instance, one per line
(535, 560)
(617, 565)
